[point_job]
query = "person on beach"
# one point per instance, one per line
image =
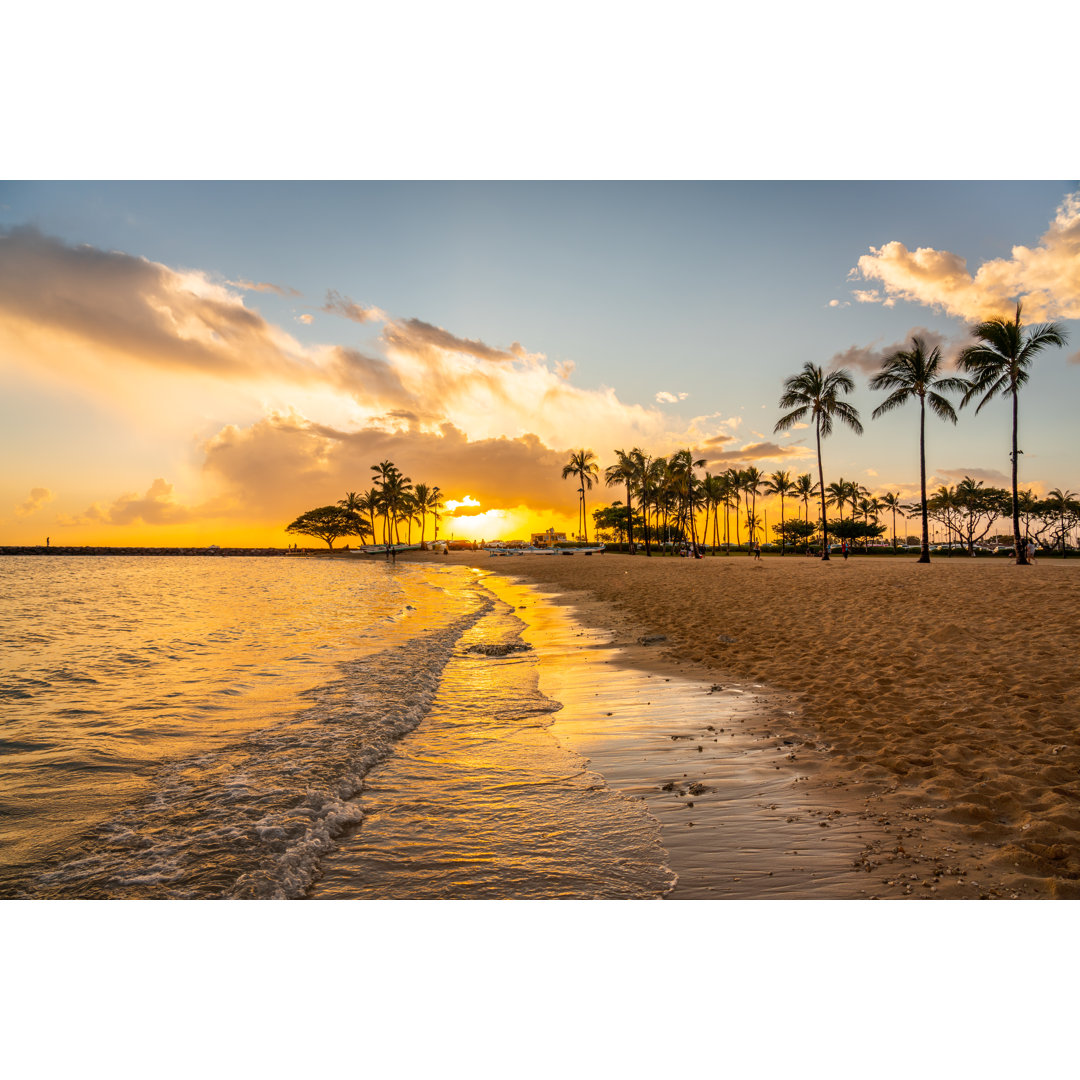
(1030, 550)
(843, 549)
(757, 551)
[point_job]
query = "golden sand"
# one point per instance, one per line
(940, 700)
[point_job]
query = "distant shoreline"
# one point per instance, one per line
(40, 549)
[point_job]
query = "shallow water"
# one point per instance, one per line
(199, 728)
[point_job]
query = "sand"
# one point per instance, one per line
(934, 708)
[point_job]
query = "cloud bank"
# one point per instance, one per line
(1045, 277)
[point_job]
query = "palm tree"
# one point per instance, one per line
(891, 501)
(582, 464)
(780, 483)
(625, 471)
(734, 478)
(836, 494)
(815, 394)
(752, 480)
(716, 494)
(913, 373)
(354, 504)
(999, 365)
(805, 489)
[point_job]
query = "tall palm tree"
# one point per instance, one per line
(891, 501)
(716, 493)
(998, 365)
(815, 394)
(914, 373)
(780, 483)
(837, 493)
(624, 471)
(752, 480)
(805, 489)
(582, 464)
(735, 480)
(355, 504)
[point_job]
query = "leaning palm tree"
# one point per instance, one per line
(913, 373)
(582, 464)
(780, 483)
(815, 394)
(998, 365)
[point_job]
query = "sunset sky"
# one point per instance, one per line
(197, 363)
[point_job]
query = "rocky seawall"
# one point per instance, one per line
(216, 551)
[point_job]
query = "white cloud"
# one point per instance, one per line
(666, 398)
(1045, 277)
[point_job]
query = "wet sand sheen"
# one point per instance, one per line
(715, 764)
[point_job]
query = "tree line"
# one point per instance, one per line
(664, 496)
(391, 504)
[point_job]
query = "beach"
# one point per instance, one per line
(930, 710)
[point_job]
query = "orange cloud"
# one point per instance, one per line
(1046, 277)
(39, 497)
(762, 451)
(116, 306)
(281, 463)
(157, 507)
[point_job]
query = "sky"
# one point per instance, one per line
(199, 362)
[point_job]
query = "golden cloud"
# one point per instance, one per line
(1045, 277)
(157, 507)
(761, 451)
(111, 306)
(39, 497)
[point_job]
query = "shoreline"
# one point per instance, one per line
(937, 702)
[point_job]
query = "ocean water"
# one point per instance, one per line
(290, 728)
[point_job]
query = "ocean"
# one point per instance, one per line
(289, 728)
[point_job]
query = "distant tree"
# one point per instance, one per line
(891, 501)
(998, 366)
(914, 373)
(795, 531)
(625, 471)
(582, 464)
(817, 395)
(328, 523)
(780, 483)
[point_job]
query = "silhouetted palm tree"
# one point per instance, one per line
(625, 471)
(913, 373)
(999, 365)
(805, 489)
(780, 483)
(891, 501)
(752, 480)
(815, 394)
(582, 464)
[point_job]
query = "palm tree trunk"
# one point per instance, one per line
(629, 519)
(924, 554)
(1021, 555)
(821, 481)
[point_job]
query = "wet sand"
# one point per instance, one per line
(927, 714)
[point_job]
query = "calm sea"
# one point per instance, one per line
(289, 728)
